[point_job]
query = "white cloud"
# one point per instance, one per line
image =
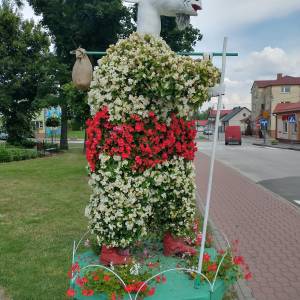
(267, 63)
(220, 15)
(264, 64)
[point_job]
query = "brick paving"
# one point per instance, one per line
(267, 227)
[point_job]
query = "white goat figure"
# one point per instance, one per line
(150, 11)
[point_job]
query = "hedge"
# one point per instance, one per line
(15, 154)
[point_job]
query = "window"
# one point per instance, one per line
(285, 89)
(295, 128)
(262, 107)
(285, 126)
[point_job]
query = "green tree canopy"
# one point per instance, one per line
(24, 75)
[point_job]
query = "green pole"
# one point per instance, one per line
(214, 54)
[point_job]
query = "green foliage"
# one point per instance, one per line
(8, 154)
(28, 144)
(179, 40)
(24, 53)
(104, 282)
(91, 24)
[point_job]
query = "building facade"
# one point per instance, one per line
(288, 122)
(266, 94)
(212, 118)
(237, 117)
(41, 131)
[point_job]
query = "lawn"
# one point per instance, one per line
(42, 205)
(76, 135)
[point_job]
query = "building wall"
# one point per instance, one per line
(236, 120)
(290, 134)
(278, 97)
(266, 99)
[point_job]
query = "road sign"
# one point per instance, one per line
(292, 119)
(263, 122)
(266, 114)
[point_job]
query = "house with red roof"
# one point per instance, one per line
(288, 122)
(267, 94)
(213, 115)
(201, 124)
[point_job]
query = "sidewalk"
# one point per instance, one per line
(295, 147)
(267, 227)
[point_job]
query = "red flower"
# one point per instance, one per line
(113, 296)
(129, 288)
(206, 257)
(75, 267)
(151, 114)
(87, 293)
(106, 278)
(238, 260)
(79, 282)
(96, 278)
(158, 279)
(248, 276)
(164, 279)
(198, 239)
(139, 127)
(212, 268)
(151, 292)
(84, 280)
(70, 293)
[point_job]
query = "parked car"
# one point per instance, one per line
(207, 131)
(3, 136)
(233, 135)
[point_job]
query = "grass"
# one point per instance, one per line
(76, 135)
(42, 205)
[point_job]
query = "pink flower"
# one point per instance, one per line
(248, 276)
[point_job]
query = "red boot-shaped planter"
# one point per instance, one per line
(114, 256)
(173, 246)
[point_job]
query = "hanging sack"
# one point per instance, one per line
(82, 73)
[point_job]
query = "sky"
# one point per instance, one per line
(265, 33)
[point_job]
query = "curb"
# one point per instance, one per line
(277, 147)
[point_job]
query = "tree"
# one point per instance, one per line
(94, 25)
(179, 40)
(91, 24)
(24, 76)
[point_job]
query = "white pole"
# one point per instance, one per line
(212, 160)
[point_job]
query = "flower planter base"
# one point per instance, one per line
(178, 285)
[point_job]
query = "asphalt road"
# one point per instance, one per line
(276, 169)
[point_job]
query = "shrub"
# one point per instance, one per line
(5, 155)
(28, 144)
(8, 154)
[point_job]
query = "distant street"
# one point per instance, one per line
(276, 169)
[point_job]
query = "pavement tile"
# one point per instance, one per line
(267, 227)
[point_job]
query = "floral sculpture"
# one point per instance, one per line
(140, 146)
(150, 11)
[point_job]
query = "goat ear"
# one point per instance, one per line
(132, 1)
